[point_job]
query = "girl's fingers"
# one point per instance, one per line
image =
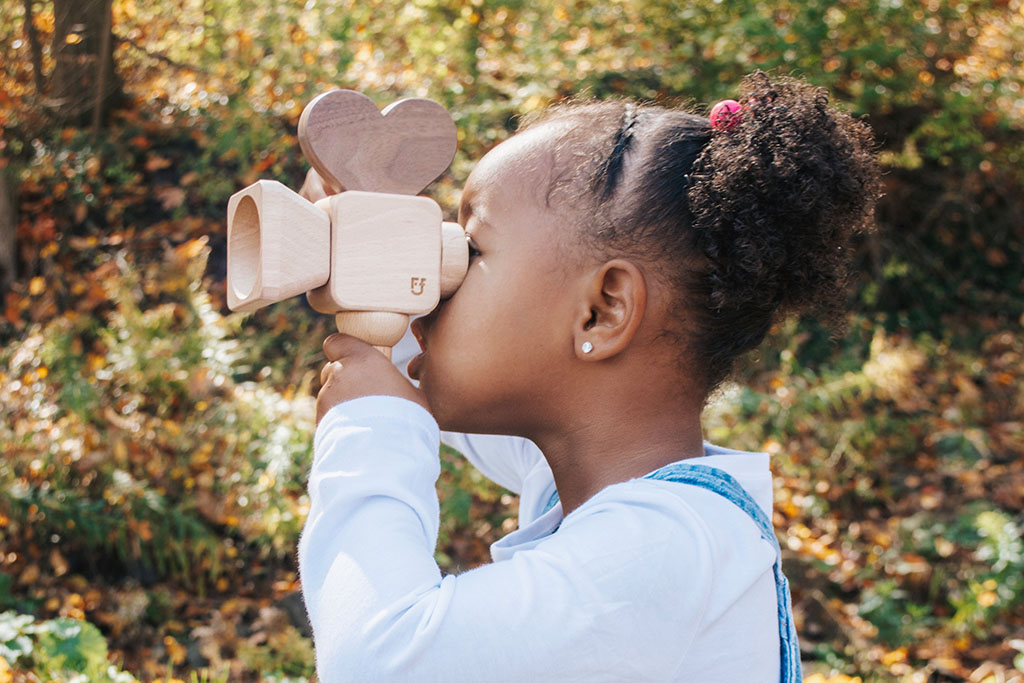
(325, 373)
(314, 189)
(338, 346)
(355, 369)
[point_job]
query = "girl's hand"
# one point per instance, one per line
(356, 369)
(314, 188)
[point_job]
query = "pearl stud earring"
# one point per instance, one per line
(587, 347)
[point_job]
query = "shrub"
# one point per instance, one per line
(131, 433)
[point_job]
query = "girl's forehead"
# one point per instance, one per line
(507, 193)
(530, 150)
(523, 164)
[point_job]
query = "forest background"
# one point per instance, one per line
(155, 445)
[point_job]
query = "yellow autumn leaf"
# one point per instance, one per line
(894, 657)
(988, 598)
(191, 249)
(174, 650)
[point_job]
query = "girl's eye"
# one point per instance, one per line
(473, 251)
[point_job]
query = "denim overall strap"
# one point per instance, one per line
(722, 483)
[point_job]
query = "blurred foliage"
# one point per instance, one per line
(939, 82)
(900, 495)
(61, 649)
(128, 431)
(155, 446)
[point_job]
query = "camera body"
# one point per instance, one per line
(373, 248)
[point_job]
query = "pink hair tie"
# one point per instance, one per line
(725, 115)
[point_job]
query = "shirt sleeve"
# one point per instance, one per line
(618, 592)
(505, 460)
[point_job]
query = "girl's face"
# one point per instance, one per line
(494, 353)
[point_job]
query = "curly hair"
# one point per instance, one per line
(751, 225)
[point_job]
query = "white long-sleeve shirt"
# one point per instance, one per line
(646, 581)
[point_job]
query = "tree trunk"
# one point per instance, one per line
(35, 48)
(8, 224)
(83, 57)
(105, 70)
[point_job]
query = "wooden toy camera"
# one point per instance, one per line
(373, 254)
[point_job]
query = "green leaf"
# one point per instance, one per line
(72, 645)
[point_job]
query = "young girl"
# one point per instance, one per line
(622, 256)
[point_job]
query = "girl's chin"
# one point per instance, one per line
(414, 367)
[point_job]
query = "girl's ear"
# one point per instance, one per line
(613, 308)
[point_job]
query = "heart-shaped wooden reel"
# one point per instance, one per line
(374, 253)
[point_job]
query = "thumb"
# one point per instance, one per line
(339, 346)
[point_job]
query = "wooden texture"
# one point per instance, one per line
(278, 246)
(385, 254)
(382, 329)
(356, 146)
(454, 257)
(372, 254)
